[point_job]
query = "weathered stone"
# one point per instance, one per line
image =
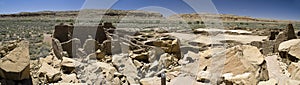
(269, 82)
(168, 60)
(153, 43)
(168, 44)
(100, 55)
(137, 63)
(71, 46)
(150, 81)
(279, 39)
(69, 78)
(108, 69)
(292, 82)
(294, 70)
(276, 69)
(61, 32)
(244, 64)
(125, 66)
(16, 65)
(154, 54)
(51, 73)
(184, 81)
(298, 34)
(173, 47)
(203, 76)
(16, 82)
(290, 32)
(116, 81)
(51, 60)
(140, 57)
(57, 48)
(90, 46)
(189, 57)
(67, 65)
(94, 73)
(291, 47)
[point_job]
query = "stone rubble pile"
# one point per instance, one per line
(110, 56)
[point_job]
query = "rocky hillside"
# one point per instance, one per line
(72, 14)
(224, 17)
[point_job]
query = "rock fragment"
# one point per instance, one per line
(16, 64)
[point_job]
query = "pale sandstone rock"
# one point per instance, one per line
(16, 64)
(51, 73)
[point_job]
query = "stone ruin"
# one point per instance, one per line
(108, 42)
(142, 58)
(64, 40)
(275, 38)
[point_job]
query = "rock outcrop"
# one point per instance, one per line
(290, 32)
(290, 50)
(245, 64)
(16, 64)
(294, 70)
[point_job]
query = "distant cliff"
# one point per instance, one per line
(119, 13)
(223, 17)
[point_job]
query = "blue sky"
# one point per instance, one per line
(273, 9)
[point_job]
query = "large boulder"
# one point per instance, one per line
(294, 70)
(16, 64)
(126, 66)
(290, 49)
(244, 64)
(68, 65)
(291, 46)
(51, 74)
